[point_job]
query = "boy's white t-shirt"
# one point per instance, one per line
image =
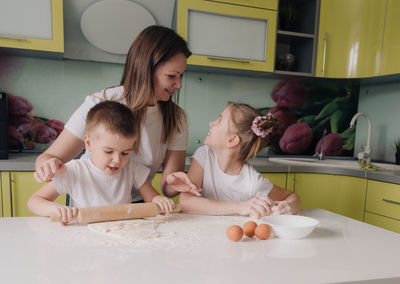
(89, 186)
(152, 151)
(218, 185)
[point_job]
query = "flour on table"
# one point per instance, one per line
(130, 230)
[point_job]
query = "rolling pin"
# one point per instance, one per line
(117, 212)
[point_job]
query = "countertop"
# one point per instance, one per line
(26, 162)
(194, 249)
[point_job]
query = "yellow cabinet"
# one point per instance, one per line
(278, 179)
(391, 39)
(383, 205)
(17, 187)
(34, 25)
(350, 38)
(224, 35)
(340, 194)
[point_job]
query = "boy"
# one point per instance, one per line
(108, 176)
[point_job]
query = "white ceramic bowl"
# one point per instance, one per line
(291, 226)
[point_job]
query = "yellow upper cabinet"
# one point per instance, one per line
(33, 25)
(350, 38)
(229, 34)
(391, 40)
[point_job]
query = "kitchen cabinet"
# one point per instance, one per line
(391, 39)
(296, 42)
(232, 34)
(32, 25)
(382, 207)
(343, 195)
(17, 187)
(278, 179)
(350, 38)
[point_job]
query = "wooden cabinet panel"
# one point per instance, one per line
(264, 4)
(278, 179)
(391, 39)
(350, 38)
(383, 198)
(340, 194)
(383, 222)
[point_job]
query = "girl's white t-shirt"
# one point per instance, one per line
(152, 151)
(89, 186)
(218, 185)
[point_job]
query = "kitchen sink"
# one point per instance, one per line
(333, 163)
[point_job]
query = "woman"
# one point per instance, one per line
(153, 72)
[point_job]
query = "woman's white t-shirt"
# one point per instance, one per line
(218, 185)
(152, 151)
(89, 186)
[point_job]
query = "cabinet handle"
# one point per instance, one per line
(324, 58)
(230, 60)
(11, 195)
(18, 38)
(391, 201)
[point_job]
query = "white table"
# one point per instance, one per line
(194, 249)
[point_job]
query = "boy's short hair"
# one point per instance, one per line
(114, 116)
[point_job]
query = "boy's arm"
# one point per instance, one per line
(291, 204)
(149, 194)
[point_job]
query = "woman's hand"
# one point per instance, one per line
(258, 207)
(282, 207)
(48, 169)
(65, 213)
(166, 205)
(181, 182)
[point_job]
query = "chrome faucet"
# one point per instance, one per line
(320, 155)
(366, 153)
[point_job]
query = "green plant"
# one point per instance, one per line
(397, 145)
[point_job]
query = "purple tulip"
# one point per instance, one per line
(15, 138)
(296, 138)
(333, 145)
(19, 105)
(56, 125)
(284, 117)
(44, 134)
(289, 94)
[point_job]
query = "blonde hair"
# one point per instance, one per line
(115, 117)
(243, 116)
(153, 46)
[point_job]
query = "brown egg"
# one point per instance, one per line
(263, 231)
(234, 233)
(249, 227)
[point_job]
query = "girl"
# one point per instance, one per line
(152, 75)
(229, 184)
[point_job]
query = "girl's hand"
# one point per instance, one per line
(180, 182)
(48, 169)
(282, 207)
(166, 205)
(65, 213)
(258, 207)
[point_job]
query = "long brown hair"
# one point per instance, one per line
(243, 116)
(153, 46)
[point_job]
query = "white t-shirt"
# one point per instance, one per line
(89, 186)
(218, 185)
(152, 151)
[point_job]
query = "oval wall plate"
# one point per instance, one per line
(112, 25)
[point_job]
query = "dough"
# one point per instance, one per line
(132, 230)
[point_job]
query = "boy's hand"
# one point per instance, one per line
(282, 207)
(166, 205)
(182, 183)
(65, 213)
(48, 169)
(258, 207)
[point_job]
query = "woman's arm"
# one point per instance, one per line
(66, 147)
(42, 203)
(174, 161)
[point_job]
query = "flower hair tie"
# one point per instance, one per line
(257, 129)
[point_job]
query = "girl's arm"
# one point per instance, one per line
(174, 161)
(42, 203)
(288, 202)
(66, 147)
(149, 194)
